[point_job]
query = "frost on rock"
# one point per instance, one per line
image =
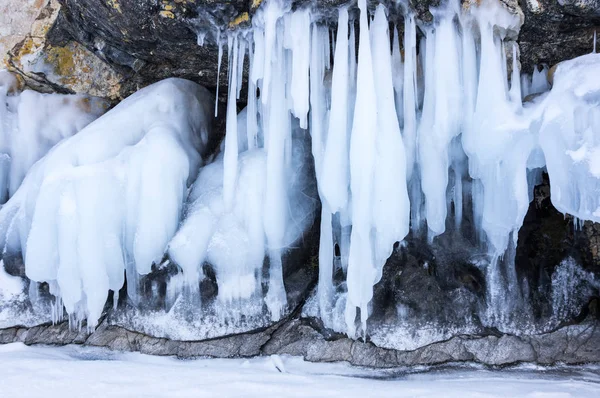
(108, 199)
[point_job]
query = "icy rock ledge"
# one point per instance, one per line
(32, 123)
(574, 344)
(109, 199)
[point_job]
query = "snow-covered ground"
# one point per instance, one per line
(84, 372)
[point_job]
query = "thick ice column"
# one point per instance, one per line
(241, 49)
(335, 175)
(325, 287)
(300, 36)
(498, 143)
(351, 77)
(275, 212)
(361, 270)
(398, 75)
(252, 107)
(441, 119)
(272, 12)
(231, 134)
(391, 210)
(318, 106)
(498, 159)
(409, 95)
(469, 71)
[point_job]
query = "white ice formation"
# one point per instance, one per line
(401, 141)
(234, 239)
(108, 199)
(32, 123)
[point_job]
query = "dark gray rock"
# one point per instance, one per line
(120, 339)
(149, 40)
(572, 344)
(556, 31)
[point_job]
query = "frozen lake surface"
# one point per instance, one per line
(74, 371)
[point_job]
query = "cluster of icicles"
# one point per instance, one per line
(383, 143)
(399, 139)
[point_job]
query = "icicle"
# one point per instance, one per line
(275, 197)
(459, 170)
(252, 111)
(469, 72)
(361, 272)
(300, 32)
(325, 287)
(220, 56)
(201, 37)
(594, 47)
(515, 80)
(525, 85)
(352, 55)
(398, 76)
(258, 57)
(410, 102)
(240, 65)
(440, 121)
(539, 81)
(318, 111)
(272, 13)
(230, 158)
(409, 94)
(351, 86)
(335, 176)
(391, 214)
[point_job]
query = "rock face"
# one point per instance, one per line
(557, 30)
(111, 48)
(49, 63)
(16, 18)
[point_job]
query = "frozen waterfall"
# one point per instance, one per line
(400, 128)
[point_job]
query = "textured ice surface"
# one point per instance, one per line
(570, 137)
(233, 240)
(109, 199)
(32, 123)
(456, 132)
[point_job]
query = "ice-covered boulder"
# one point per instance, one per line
(109, 198)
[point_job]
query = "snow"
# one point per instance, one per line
(58, 372)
